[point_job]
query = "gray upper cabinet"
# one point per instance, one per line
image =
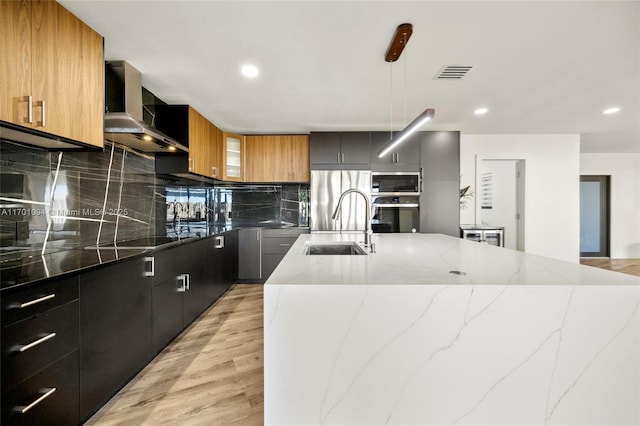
(440, 155)
(404, 158)
(340, 151)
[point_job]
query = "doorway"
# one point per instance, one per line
(501, 198)
(594, 216)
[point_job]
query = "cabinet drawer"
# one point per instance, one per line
(277, 245)
(284, 232)
(34, 299)
(26, 403)
(32, 344)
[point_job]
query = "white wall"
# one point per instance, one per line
(624, 170)
(552, 187)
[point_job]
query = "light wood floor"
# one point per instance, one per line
(627, 266)
(212, 374)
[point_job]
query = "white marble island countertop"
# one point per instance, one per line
(428, 259)
(519, 339)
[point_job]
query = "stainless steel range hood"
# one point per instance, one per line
(123, 119)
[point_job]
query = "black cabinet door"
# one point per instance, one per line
(229, 267)
(55, 389)
(115, 330)
(355, 149)
(325, 148)
(221, 265)
(167, 312)
(193, 303)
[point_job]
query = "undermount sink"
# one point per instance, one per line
(348, 248)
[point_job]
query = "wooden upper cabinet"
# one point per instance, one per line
(277, 158)
(233, 157)
(199, 144)
(15, 62)
(52, 71)
(216, 148)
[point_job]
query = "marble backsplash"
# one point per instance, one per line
(189, 209)
(67, 200)
(63, 200)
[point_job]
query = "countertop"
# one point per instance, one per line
(429, 259)
(392, 338)
(27, 266)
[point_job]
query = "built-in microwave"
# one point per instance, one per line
(395, 183)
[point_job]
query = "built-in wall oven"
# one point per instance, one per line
(395, 200)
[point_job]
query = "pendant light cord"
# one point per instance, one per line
(405, 79)
(390, 100)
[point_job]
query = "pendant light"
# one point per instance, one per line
(398, 43)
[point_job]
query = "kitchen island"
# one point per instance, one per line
(434, 330)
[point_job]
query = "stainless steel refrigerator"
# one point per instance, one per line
(326, 188)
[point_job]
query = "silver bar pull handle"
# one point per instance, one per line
(258, 235)
(219, 242)
(152, 262)
(215, 171)
(34, 302)
(183, 285)
(30, 112)
(190, 164)
(285, 245)
(343, 157)
(35, 343)
(46, 393)
(188, 281)
(338, 158)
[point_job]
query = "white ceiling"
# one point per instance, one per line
(541, 67)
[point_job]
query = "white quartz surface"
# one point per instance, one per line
(428, 259)
(453, 351)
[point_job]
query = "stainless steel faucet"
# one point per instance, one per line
(367, 232)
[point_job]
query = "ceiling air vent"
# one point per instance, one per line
(453, 72)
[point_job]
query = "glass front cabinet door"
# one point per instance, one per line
(234, 157)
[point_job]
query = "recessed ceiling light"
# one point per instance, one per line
(147, 138)
(171, 148)
(481, 111)
(611, 110)
(250, 71)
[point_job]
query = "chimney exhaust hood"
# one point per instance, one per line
(124, 118)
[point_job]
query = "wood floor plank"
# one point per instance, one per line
(626, 266)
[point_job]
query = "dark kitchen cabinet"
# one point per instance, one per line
(250, 255)
(55, 388)
(221, 265)
(115, 329)
(404, 158)
(40, 353)
(340, 151)
(440, 197)
(178, 290)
